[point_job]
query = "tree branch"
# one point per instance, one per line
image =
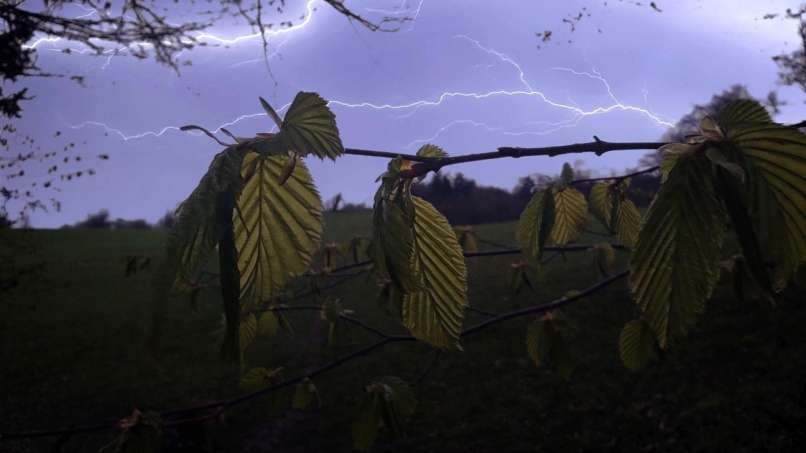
(617, 179)
(226, 404)
(598, 147)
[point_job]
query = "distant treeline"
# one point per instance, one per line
(461, 199)
(464, 202)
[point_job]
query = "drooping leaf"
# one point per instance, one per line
(547, 347)
(402, 393)
(774, 160)
(271, 112)
(248, 331)
(567, 174)
(609, 198)
(304, 394)
(309, 127)
(604, 256)
(467, 238)
(718, 158)
(628, 223)
(259, 378)
(710, 129)
(570, 215)
(198, 225)
(669, 155)
(435, 312)
(637, 344)
(535, 225)
(675, 264)
(365, 426)
(731, 194)
(393, 236)
(268, 324)
(277, 228)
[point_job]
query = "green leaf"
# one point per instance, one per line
(429, 150)
(435, 312)
(774, 159)
(609, 198)
(259, 378)
(731, 195)
(628, 223)
(710, 129)
(393, 237)
(718, 158)
(669, 155)
(247, 331)
(675, 264)
(277, 228)
(567, 174)
(535, 225)
(604, 256)
(467, 238)
(403, 395)
(365, 426)
(304, 394)
(547, 347)
(637, 345)
(309, 127)
(199, 224)
(270, 111)
(268, 324)
(570, 215)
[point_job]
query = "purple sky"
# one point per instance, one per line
(645, 69)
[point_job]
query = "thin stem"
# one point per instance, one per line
(226, 404)
(598, 147)
(617, 178)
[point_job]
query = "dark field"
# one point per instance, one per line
(71, 353)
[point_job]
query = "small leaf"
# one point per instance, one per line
(567, 174)
(604, 256)
(259, 378)
(304, 394)
(429, 150)
(331, 309)
(393, 237)
(467, 238)
(268, 324)
(710, 129)
(309, 127)
(717, 158)
(248, 331)
(402, 393)
(365, 426)
(570, 215)
(546, 345)
(535, 225)
(270, 111)
(637, 345)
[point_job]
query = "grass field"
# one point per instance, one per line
(71, 353)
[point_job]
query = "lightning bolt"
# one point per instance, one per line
(578, 113)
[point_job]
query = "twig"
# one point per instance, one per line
(598, 147)
(617, 179)
(226, 404)
(428, 368)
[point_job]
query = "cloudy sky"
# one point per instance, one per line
(467, 75)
